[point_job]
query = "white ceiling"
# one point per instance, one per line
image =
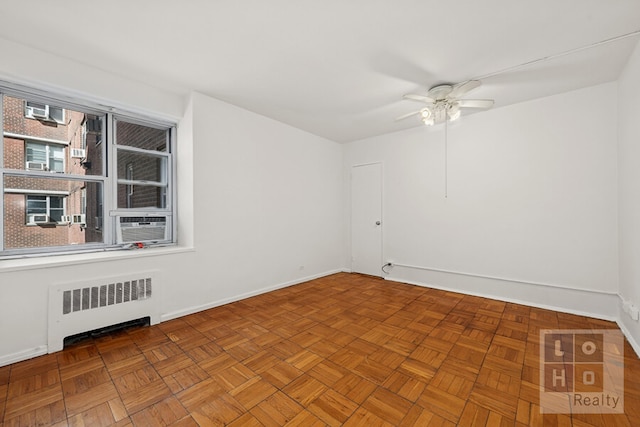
(337, 68)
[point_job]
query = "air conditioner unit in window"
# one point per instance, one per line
(66, 218)
(36, 166)
(78, 153)
(38, 112)
(38, 219)
(142, 229)
(79, 219)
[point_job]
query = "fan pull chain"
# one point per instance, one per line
(446, 160)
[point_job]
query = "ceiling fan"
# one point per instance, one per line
(443, 102)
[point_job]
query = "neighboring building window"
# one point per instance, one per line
(84, 135)
(93, 127)
(99, 209)
(83, 201)
(44, 157)
(63, 189)
(39, 111)
(44, 209)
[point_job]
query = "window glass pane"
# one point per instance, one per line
(67, 148)
(56, 202)
(83, 201)
(56, 214)
(56, 113)
(36, 152)
(139, 136)
(36, 205)
(69, 222)
(141, 167)
(141, 196)
(56, 159)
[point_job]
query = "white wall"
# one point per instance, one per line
(268, 207)
(260, 206)
(629, 191)
(532, 198)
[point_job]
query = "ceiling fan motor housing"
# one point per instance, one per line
(440, 92)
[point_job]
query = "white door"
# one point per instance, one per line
(366, 219)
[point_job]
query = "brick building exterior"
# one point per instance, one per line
(140, 167)
(42, 138)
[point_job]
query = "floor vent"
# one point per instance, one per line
(108, 330)
(104, 295)
(86, 306)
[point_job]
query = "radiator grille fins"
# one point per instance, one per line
(100, 296)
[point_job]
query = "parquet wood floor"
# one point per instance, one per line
(346, 349)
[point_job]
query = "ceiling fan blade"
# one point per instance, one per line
(464, 87)
(419, 98)
(476, 103)
(404, 116)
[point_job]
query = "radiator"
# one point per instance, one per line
(84, 306)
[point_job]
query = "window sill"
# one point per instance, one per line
(47, 261)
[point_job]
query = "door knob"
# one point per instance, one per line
(377, 222)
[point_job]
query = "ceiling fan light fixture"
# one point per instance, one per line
(444, 103)
(454, 112)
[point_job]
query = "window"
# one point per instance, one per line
(44, 157)
(40, 111)
(83, 201)
(65, 190)
(44, 209)
(141, 149)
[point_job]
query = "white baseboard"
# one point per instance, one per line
(195, 309)
(629, 336)
(602, 315)
(23, 355)
(585, 302)
(629, 327)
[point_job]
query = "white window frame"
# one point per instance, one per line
(163, 183)
(105, 223)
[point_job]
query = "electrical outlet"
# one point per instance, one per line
(631, 309)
